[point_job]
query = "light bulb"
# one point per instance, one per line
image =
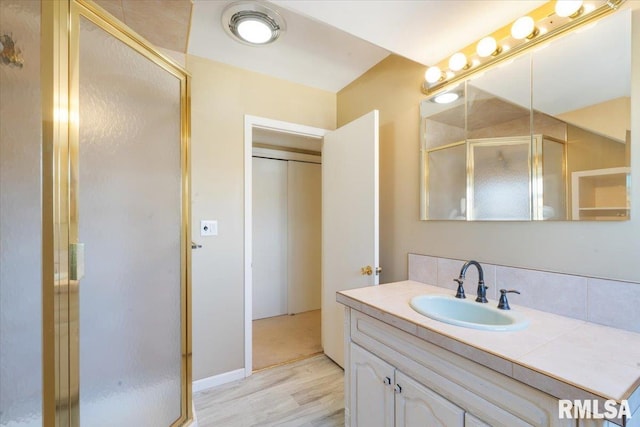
(524, 27)
(254, 31)
(458, 61)
(433, 74)
(446, 98)
(486, 47)
(570, 8)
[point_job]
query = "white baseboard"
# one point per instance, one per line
(217, 380)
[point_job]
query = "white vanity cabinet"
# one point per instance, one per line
(394, 378)
(372, 394)
(417, 406)
(383, 396)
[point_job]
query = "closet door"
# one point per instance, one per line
(269, 238)
(304, 235)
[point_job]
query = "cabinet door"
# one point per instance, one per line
(471, 421)
(371, 391)
(417, 406)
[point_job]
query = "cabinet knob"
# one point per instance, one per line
(387, 381)
(398, 388)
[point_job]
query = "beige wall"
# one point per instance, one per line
(600, 249)
(610, 118)
(221, 96)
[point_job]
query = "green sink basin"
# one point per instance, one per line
(468, 313)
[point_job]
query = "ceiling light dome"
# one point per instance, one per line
(446, 98)
(252, 23)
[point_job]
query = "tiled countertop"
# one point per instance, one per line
(564, 357)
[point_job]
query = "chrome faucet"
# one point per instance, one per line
(482, 288)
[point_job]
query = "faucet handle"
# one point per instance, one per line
(503, 304)
(460, 290)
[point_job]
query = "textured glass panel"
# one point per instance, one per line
(499, 101)
(20, 218)
(447, 169)
(500, 189)
(444, 123)
(129, 220)
(554, 182)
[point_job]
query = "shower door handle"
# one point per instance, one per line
(76, 261)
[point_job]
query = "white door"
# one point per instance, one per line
(349, 221)
(269, 238)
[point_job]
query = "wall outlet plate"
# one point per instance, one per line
(208, 228)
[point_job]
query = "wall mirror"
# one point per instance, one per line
(545, 136)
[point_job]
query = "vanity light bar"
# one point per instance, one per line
(541, 25)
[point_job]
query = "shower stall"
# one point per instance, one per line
(94, 222)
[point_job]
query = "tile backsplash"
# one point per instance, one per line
(607, 302)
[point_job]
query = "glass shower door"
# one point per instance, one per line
(499, 178)
(128, 253)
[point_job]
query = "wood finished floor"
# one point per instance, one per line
(307, 393)
(285, 338)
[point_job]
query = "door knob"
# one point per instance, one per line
(368, 271)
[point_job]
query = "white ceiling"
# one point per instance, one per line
(330, 43)
(425, 31)
(310, 53)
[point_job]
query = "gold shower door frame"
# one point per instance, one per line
(60, 99)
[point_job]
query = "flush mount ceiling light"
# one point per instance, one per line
(551, 20)
(252, 23)
(446, 98)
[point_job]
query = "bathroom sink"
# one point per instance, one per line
(468, 313)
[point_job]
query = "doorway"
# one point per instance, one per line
(351, 154)
(287, 186)
(282, 242)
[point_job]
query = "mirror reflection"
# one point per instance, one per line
(544, 137)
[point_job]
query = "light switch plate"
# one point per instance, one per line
(208, 228)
